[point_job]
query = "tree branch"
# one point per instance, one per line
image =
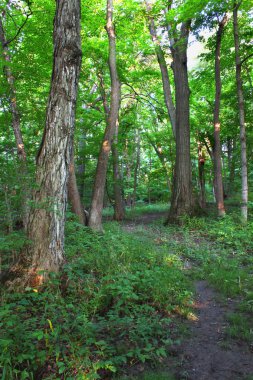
(7, 42)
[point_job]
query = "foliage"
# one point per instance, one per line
(113, 306)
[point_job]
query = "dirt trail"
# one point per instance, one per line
(207, 354)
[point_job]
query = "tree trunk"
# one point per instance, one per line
(47, 217)
(119, 210)
(128, 160)
(81, 167)
(231, 144)
(137, 165)
(73, 193)
(164, 70)
(182, 202)
(15, 122)
(95, 220)
(218, 183)
(201, 162)
(244, 171)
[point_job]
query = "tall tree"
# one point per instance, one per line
(218, 183)
(238, 64)
(95, 219)
(182, 201)
(163, 68)
(47, 217)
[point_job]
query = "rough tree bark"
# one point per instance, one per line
(244, 170)
(95, 219)
(182, 202)
(164, 70)
(218, 183)
(47, 217)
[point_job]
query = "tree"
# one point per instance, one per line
(164, 70)
(218, 183)
(238, 65)
(73, 193)
(182, 202)
(95, 219)
(47, 216)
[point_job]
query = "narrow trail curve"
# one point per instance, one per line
(203, 356)
(207, 354)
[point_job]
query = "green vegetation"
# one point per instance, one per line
(124, 298)
(126, 176)
(117, 308)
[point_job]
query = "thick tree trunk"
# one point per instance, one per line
(244, 171)
(182, 202)
(15, 122)
(73, 193)
(218, 183)
(95, 220)
(119, 210)
(47, 217)
(164, 70)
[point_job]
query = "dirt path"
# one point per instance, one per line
(206, 355)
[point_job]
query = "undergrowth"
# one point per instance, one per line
(112, 308)
(115, 305)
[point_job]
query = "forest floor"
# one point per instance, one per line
(207, 351)
(141, 301)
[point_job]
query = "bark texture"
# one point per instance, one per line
(95, 220)
(244, 169)
(47, 217)
(164, 70)
(218, 183)
(182, 202)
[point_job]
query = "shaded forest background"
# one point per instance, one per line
(102, 119)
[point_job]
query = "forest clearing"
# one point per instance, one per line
(126, 223)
